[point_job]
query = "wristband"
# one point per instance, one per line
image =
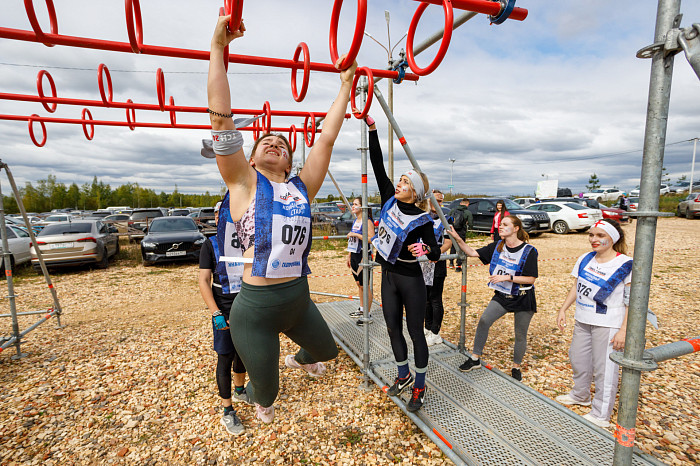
(369, 120)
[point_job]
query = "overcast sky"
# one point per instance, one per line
(560, 95)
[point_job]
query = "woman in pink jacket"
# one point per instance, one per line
(501, 213)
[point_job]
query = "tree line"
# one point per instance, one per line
(48, 194)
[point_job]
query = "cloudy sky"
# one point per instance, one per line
(560, 95)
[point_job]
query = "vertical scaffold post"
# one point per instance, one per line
(654, 140)
(7, 262)
(366, 265)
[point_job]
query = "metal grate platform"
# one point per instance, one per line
(484, 416)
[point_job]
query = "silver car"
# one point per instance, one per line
(689, 207)
(18, 242)
(76, 243)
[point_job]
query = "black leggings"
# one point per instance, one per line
(224, 364)
(434, 311)
(399, 292)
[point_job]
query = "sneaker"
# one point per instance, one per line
(516, 374)
(316, 369)
(361, 322)
(567, 400)
(266, 415)
(233, 425)
(241, 397)
(470, 364)
(356, 314)
(433, 339)
(426, 332)
(596, 421)
(400, 385)
(458, 268)
(417, 399)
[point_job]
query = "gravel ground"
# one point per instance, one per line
(130, 379)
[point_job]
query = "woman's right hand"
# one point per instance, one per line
(222, 37)
(348, 262)
(348, 74)
(561, 319)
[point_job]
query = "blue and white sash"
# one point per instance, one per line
(591, 284)
(509, 263)
(439, 230)
(229, 273)
(393, 228)
(354, 243)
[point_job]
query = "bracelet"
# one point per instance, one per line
(230, 115)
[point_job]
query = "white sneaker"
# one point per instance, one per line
(316, 369)
(567, 400)
(266, 415)
(433, 339)
(426, 332)
(596, 421)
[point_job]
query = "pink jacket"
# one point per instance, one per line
(497, 220)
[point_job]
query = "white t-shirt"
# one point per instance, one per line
(586, 306)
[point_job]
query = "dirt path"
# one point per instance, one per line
(131, 377)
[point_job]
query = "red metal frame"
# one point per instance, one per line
(482, 6)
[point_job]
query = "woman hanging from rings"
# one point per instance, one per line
(267, 222)
(601, 292)
(355, 254)
(512, 274)
(403, 221)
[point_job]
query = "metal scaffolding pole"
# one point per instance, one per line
(654, 139)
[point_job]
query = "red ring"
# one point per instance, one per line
(235, 9)
(91, 134)
(357, 38)
(222, 12)
(293, 137)
(307, 72)
(370, 91)
(31, 14)
(257, 127)
(267, 126)
(31, 130)
(106, 99)
(310, 140)
(133, 21)
(130, 118)
(40, 90)
(160, 89)
(172, 111)
(444, 45)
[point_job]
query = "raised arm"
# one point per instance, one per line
(316, 166)
(468, 250)
(234, 168)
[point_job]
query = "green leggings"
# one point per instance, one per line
(258, 315)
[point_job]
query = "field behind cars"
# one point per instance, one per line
(130, 379)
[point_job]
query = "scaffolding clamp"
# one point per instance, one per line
(677, 40)
(690, 42)
(401, 68)
(507, 7)
(647, 363)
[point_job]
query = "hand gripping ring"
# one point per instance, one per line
(299, 96)
(293, 137)
(133, 21)
(267, 125)
(222, 12)
(357, 38)
(31, 130)
(507, 7)
(370, 91)
(31, 15)
(172, 111)
(447, 35)
(86, 116)
(160, 89)
(40, 90)
(102, 69)
(130, 115)
(310, 139)
(235, 9)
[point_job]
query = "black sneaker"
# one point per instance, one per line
(399, 385)
(417, 399)
(516, 374)
(458, 268)
(470, 364)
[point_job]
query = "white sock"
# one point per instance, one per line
(474, 358)
(361, 309)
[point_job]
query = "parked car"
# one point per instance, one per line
(682, 187)
(76, 243)
(689, 207)
(524, 202)
(634, 203)
(19, 223)
(604, 194)
(343, 224)
(171, 239)
(99, 214)
(608, 212)
(204, 216)
(140, 218)
(18, 242)
(567, 216)
(119, 221)
(483, 210)
(663, 189)
(178, 212)
(330, 210)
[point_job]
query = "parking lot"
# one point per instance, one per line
(131, 376)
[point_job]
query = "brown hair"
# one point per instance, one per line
(278, 135)
(521, 234)
(620, 246)
(425, 203)
(503, 203)
(369, 211)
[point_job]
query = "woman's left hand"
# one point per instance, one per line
(348, 74)
(618, 341)
(499, 278)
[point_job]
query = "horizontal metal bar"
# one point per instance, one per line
(675, 349)
(29, 313)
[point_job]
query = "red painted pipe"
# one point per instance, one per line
(482, 6)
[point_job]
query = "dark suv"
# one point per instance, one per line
(343, 224)
(141, 217)
(484, 209)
